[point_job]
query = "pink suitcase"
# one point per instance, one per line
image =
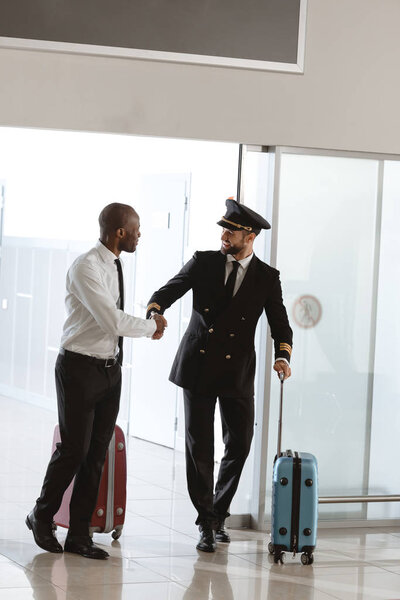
(109, 514)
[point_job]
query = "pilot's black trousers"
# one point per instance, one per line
(88, 397)
(237, 417)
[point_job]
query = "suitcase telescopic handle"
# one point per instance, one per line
(278, 452)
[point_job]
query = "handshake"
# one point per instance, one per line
(161, 323)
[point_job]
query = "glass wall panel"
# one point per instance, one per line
(384, 473)
(326, 254)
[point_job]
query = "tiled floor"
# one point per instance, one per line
(156, 559)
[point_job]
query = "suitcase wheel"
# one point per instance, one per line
(307, 559)
(271, 548)
(116, 534)
(280, 557)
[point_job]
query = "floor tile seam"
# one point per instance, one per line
(230, 577)
(23, 567)
(151, 571)
(300, 580)
(242, 557)
(158, 556)
(156, 523)
(32, 588)
(185, 587)
(135, 458)
(38, 584)
(387, 570)
(192, 537)
(129, 511)
(119, 583)
(151, 498)
(35, 572)
(197, 556)
(375, 564)
(122, 584)
(174, 489)
(329, 595)
(167, 489)
(350, 556)
(243, 554)
(170, 528)
(363, 560)
(316, 565)
(156, 535)
(71, 596)
(148, 516)
(347, 590)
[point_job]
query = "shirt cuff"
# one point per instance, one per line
(152, 327)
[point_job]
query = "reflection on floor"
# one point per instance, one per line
(156, 559)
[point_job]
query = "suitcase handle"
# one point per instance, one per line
(278, 452)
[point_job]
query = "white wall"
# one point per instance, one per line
(348, 97)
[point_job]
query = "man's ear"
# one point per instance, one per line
(120, 233)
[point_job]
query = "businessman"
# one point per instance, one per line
(88, 380)
(216, 358)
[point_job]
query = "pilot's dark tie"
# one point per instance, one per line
(230, 283)
(121, 306)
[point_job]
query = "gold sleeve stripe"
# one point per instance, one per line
(237, 224)
(286, 348)
(153, 305)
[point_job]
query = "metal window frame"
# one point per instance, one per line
(257, 515)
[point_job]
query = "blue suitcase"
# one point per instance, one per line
(294, 502)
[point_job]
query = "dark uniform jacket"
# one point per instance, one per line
(216, 354)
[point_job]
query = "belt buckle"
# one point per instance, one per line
(107, 366)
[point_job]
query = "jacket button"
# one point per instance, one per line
(211, 330)
(231, 335)
(202, 351)
(243, 318)
(206, 310)
(228, 356)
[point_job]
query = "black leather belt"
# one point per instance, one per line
(104, 362)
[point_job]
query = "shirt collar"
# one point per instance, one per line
(105, 253)
(243, 263)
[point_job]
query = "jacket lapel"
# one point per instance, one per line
(218, 282)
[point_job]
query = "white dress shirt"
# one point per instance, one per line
(242, 269)
(94, 322)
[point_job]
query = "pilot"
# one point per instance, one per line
(216, 358)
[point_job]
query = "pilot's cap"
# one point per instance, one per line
(239, 217)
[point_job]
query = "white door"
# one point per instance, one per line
(163, 210)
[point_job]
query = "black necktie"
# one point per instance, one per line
(121, 305)
(230, 283)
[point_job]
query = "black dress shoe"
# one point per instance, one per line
(83, 545)
(43, 534)
(221, 534)
(207, 540)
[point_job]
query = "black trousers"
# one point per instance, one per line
(88, 397)
(237, 417)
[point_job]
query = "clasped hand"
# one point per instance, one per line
(161, 323)
(281, 366)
